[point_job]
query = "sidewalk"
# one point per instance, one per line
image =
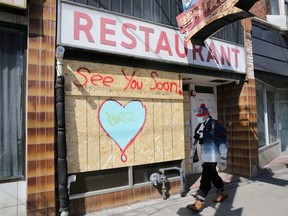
(266, 195)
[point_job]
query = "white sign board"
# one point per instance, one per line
(94, 29)
(15, 3)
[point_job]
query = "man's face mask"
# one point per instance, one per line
(200, 119)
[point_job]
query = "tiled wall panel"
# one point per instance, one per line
(241, 123)
(237, 109)
(40, 108)
(115, 199)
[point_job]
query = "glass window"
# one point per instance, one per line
(260, 114)
(157, 11)
(166, 13)
(142, 173)
(99, 180)
(127, 7)
(282, 94)
(11, 94)
(272, 7)
(115, 5)
(137, 8)
(147, 11)
(94, 3)
(204, 89)
(119, 177)
(271, 112)
(104, 4)
(266, 114)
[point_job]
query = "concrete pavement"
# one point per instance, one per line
(263, 196)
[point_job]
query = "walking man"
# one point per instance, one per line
(211, 136)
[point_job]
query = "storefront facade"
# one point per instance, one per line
(271, 87)
(131, 89)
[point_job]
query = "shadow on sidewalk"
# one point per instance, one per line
(222, 209)
(268, 176)
(232, 183)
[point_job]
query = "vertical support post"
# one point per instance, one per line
(61, 135)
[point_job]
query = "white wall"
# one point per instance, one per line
(13, 198)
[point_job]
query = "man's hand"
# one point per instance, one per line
(222, 164)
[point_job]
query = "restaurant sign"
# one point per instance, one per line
(106, 32)
(208, 16)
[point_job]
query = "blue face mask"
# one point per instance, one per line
(200, 119)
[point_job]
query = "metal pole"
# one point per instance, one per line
(61, 135)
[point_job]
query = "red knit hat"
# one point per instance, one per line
(202, 110)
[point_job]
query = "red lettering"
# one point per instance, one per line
(86, 79)
(180, 92)
(212, 54)
(173, 84)
(132, 83)
(106, 80)
(133, 43)
(95, 79)
(166, 46)
(147, 31)
(184, 54)
(155, 81)
(105, 31)
(236, 52)
(167, 86)
(225, 55)
(199, 51)
(78, 17)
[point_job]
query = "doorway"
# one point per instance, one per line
(210, 100)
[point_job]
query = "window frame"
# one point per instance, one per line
(23, 30)
(270, 5)
(266, 87)
(132, 177)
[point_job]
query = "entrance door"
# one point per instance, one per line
(283, 120)
(210, 101)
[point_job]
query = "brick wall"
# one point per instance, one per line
(40, 108)
(259, 9)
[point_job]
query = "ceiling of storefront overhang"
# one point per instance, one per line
(205, 80)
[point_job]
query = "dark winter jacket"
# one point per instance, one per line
(214, 141)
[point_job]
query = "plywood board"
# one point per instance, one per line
(93, 79)
(105, 132)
